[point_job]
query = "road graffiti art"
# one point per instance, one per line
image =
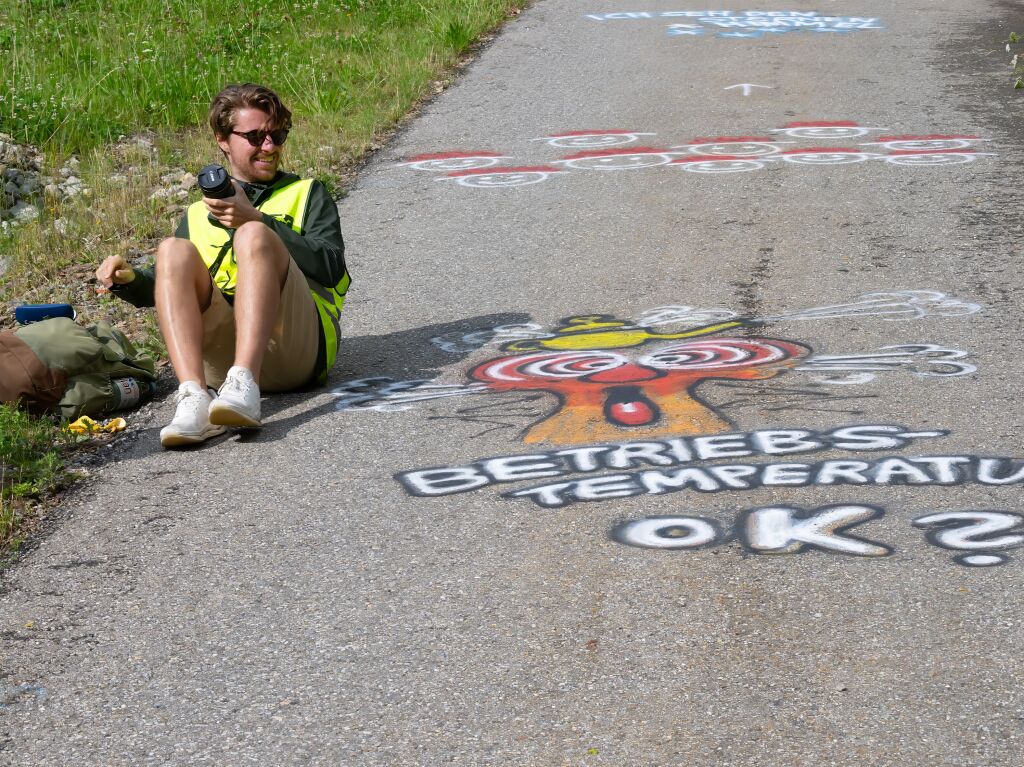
(926, 360)
(772, 530)
(746, 24)
(980, 538)
(719, 164)
(825, 130)
(676, 463)
(733, 146)
(618, 407)
(825, 156)
(610, 150)
(604, 388)
(592, 139)
(617, 159)
(936, 157)
(453, 161)
(680, 464)
(607, 379)
(931, 143)
(503, 176)
(884, 472)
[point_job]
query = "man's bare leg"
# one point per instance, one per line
(183, 293)
(263, 263)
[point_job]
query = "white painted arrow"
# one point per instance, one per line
(746, 87)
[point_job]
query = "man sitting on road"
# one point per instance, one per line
(249, 290)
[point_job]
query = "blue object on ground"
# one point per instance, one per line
(29, 313)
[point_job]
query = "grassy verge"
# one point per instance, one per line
(81, 72)
(30, 466)
(80, 75)
(122, 88)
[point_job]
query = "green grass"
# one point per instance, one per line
(78, 76)
(79, 73)
(75, 75)
(30, 465)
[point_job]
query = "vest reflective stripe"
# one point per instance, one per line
(328, 303)
(287, 205)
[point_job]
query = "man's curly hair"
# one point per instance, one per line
(228, 102)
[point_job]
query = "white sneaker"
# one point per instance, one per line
(238, 401)
(191, 423)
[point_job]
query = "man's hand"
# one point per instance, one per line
(114, 271)
(232, 212)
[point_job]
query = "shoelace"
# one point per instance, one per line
(181, 396)
(236, 382)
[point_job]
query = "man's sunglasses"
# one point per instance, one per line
(257, 137)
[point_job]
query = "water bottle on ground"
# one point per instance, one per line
(131, 392)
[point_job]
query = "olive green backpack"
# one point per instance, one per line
(59, 365)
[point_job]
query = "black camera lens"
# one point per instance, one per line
(215, 182)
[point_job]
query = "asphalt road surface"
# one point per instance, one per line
(677, 423)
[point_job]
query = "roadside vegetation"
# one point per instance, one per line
(1013, 45)
(118, 90)
(30, 466)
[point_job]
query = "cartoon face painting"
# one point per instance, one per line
(823, 130)
(640, 385)
(942, 157)
(453, 161)
(596, 139)
(738, 146)
(717, 164)
(602, 379)
(607, 150)
(925, 143)
(818, 156)
(503, 176)
(617, 159)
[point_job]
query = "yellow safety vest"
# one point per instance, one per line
(287, 204)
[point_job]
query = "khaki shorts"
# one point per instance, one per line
(294, 341)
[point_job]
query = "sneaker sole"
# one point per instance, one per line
(225, 416)
(183, 440)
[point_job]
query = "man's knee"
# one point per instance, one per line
(175, 255)
(255, 236)
(255, 232)
(179, 265)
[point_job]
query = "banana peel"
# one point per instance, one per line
(86, 426)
